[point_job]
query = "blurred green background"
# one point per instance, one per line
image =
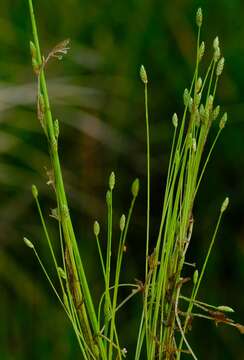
(98, 97)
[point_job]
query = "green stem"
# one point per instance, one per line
(69, 235)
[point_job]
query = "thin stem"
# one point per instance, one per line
(148, 177)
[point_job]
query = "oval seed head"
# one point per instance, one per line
(224, 205)
(199, 17)
(186, 97)
(56, 128)
(210, 102)
(215, 113)
(216, 55)
(111, 181)
(28, 243)
(96, 228)
(143, 75)
(34, 191)
(108, 198)
(216, 43)
(220, 66)
(135, 187)
(199, 84)
(197, 117)
(190, 104)
(122, 223)
(195, 277)
(198, 99)
(223, 121)
(206, 114)
(201, 111)
(225, 308)
(175, 120)
(201, 51)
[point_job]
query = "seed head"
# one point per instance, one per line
(190, 104)
(135, 187)
(199, 84)
(206, 114)
(111, 180)
(96, 228)
(223, 121)
(143, 75)
(199, 17)
(28, 243)
(195, 277)
(210, 102)
(34, 191)
(216, 111)
(197, 117)
(201, 50)
(186, 97)
(198, 99)
(225, 308)
(201, 110)
(216, 54)
(122, 223)
(194, 145)
(175, 120)
(216, 43)
(220, 66)
(224, 205)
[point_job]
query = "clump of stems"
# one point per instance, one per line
(163, 326)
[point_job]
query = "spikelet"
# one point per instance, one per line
(96, 228)
(111, 180)
(224, 205)
(201, 51)
(122, 223)
(220, 66)
(199, 17)
(135, 187)
(223, 121)
(175, 120)
(143, 75)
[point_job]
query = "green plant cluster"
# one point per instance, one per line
(163, 327)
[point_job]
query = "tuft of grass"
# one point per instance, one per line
(166, 313)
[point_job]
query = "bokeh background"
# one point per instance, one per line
(98, 97)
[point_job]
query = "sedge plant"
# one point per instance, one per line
(163, 328)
